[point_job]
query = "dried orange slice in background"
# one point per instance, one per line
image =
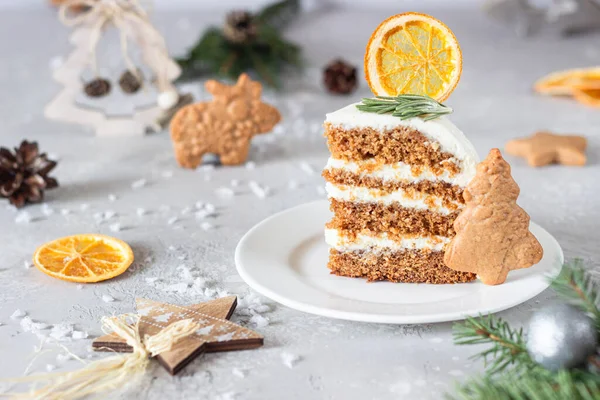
(84, 258)
(413, 53)
(588, 96)
(564, 83)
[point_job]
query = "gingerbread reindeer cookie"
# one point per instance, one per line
(224, 126)
(492, 232)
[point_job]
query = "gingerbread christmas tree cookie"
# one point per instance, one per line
(492, 232)
(223, 126)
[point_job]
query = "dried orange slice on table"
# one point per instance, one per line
(565, 83)
(84, 258)
(413, 53)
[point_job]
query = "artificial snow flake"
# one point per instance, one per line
(112, 197)
(210, 207)
(77, 335)
(250, 165)
(240, 373)
(186, 210)
(206, 226)
(140, 183)
(18, 314)
(47, 210)
(225, 192)
(141, 212)
(116, 227)
(28, 264)
(65, 211)
(61, 332)
(234, 183)
(258, 190)
(292, 185)
(23, 217)
(306, 167)
(290, 360)
(259, 321)
(107, 298)
(172, 220)
(50, 367)
(84, 207)
(167, 174)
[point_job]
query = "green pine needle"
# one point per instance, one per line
(405, 106)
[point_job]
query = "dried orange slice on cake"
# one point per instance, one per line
(84, 258)
(413, 53)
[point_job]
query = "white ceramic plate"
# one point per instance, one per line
(285, 258)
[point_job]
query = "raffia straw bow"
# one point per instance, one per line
(112, 372)
(120, 13)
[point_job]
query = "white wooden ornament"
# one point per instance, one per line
(64, 107)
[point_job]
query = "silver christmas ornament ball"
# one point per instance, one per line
(561, 336)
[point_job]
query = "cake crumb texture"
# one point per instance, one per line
(410, 266)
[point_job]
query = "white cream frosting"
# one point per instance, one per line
(382, 241)
(397, 172)
(366, 195)
(440, 130)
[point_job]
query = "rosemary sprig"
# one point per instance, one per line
(405, 106)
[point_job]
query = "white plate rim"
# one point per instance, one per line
(366, 317)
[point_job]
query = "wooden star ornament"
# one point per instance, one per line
(545, 148)
(216, 332)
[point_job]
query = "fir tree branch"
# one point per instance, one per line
(577, 286)
(507, 345)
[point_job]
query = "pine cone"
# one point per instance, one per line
(240, 27)
(340, 77)
(24, 174)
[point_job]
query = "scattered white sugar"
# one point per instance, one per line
(292, 185)
(77, 335)
(167, 174)
(240, 373)
(436, 340)
(289, 360)
(56, 62)
(28, 264)
(206, 226)
(306, 167)
(259, 191)
(250, 165)
(225, 192)
(186, 210)
(23, 217)
(259, 321)
(18, 314)
(141, 212)
(234, 183)
(79, 287)
(140, 183)
(84, 206)
(107, 298)
(321, 191)
(116, 227)
(47, 210)
(456, 372)
(112, 197)
(65, 211)
(50, 367)
(61, 332)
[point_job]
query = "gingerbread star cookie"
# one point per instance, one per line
(492, 232)
(223, 126)
(545, 148)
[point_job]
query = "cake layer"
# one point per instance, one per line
(443, 133)
(397, 172)
(401, 144)
(410, 199)
(410, 266)
(376, 218)
(447, 192)
(350, 241)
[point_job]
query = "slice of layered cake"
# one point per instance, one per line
(395, 188)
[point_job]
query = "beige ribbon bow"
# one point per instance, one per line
(111, 372)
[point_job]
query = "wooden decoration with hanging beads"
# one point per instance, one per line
(133, 26)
